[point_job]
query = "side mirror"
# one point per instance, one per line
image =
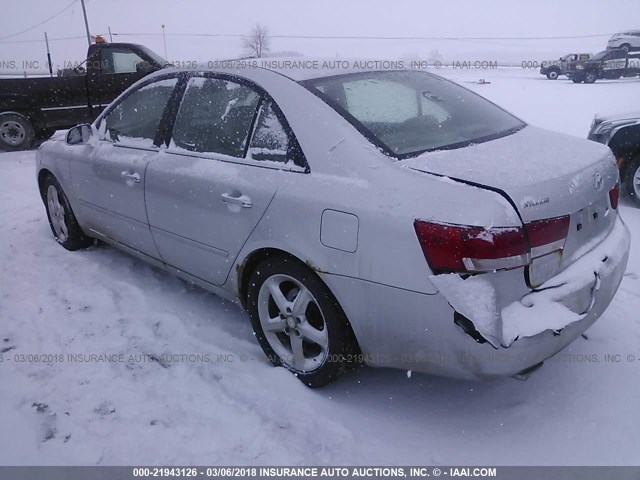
(79, 134)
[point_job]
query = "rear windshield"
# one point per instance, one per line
(410, 112)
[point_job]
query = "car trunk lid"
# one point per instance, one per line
(545, 175)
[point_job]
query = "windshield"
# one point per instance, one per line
(410, 112)
(599, 55)
(154, 56)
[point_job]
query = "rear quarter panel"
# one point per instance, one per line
(386, 201)
(349, 174)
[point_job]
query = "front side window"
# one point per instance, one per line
(135, 120)
(120, 60)
(215, 116)
(410, 112)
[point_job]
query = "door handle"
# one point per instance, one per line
(133, 176)
(242, 200)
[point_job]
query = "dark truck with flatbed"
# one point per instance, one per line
(621, 132)
(609, 65)
(552, 69)
(33, 108)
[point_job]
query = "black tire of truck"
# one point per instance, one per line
(553, 74)
(632, 180)
(16, 132)
(577, 79)
(590, 77)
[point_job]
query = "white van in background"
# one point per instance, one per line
(629, 40)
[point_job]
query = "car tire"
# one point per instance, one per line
(553, 75)
(632, 180)
(576, 79)
(63, 222)
(16, 132)
(305, 330)
(590, 77)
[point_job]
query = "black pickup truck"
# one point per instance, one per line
(621, 131)
(608, 64)
(33, 108)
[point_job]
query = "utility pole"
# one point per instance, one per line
(110, 36)
(86, 22)
(46, 40)
(164, 38)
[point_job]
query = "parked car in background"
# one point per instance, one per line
(621, 132)
(33, 108)
(552, 69)
(608, 64)
(629, 40)
(393, 218)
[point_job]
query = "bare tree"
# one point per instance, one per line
(257, 42)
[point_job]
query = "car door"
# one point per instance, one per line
(614, 64)
(207, 192)
(109, 182)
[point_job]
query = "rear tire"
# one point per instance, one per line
(298, 322)
(632, 180)
(16, 132)
(590, 77)
(62, 220)
(576, 79)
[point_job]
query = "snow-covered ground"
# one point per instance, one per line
(577, 410)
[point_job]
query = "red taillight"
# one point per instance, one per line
(614, 196)
(459, 248)
(548, 235)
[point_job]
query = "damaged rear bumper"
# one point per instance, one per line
(518, 328)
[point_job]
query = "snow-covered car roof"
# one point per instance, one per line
(299, 69)
(302, 68)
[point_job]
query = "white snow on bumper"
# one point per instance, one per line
(552, 306)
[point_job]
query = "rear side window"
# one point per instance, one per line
(270, 141)
(215, 116)
(134, 121)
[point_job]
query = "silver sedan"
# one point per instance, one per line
(391, 218)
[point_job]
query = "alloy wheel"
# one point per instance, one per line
(293, 323)
(57, 214)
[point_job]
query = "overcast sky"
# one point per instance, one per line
(431, 18)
